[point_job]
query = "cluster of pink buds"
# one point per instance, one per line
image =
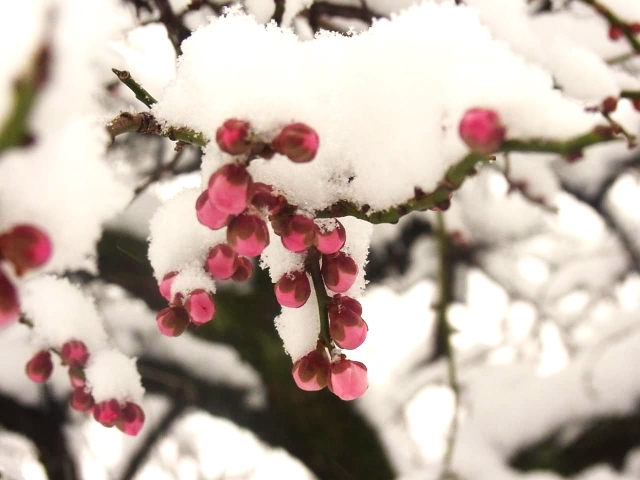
(482, 130)
(25, 247)
(74, 355)
(347, 379)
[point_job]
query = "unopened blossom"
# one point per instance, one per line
(210, 216)
(482, 130)
(81, 400)
(348, 379)
(298, 142)
(172, 321)
(244, 271)
(222, 261)
(263, 197)
(311, 372)
(26, 247)
(9, 303)
(165, 285)
(347, 328)
(77, 378)
(228, 188)
(248, 235)
(108, 412)
(339, 272)
(39, 368)
(298, 233)
(293, 289)
(330, 239)
(200, 306)
(131, 419)
(233, 137)
(74, 353)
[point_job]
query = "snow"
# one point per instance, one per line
(111, 374)
(299, 328)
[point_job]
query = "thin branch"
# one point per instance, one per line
(158, 173)
(141, 94)
(446, 282)
(313, 267)
(145, 123)
(279, 12)
(616, 22)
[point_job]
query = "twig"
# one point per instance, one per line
(141, 94)
(279, 12)
(616, 22)
(145, 123)
(158, 173)
(446, 280)
(313, 267)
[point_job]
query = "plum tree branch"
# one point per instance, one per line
(141, 94)
(617, 22)
(313, 267)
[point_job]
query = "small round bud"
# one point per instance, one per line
(299, 233)
(609, 104)
(298, 142)
(482, 130)
(233, 137)
(131, 419)
(244, 271)
(39, 368)
(293, 289)
(346, 327)
(81, 400)
(210, 216)
(222, 261)
(26, 246)
(311, 372)
(339, 272)
(9, 303)
(615, 33)
(229, 188)
(348, 379)
(248, 235)
(108, 412)
(200, 306)
(172, 321)
(165, 285)
(330, 239)
(74, 353)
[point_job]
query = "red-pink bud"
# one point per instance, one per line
(262, 197)
(108, 412)
(311, 372)
(636, 104)
(81, 401)
(200, 306)
(222, 261)
(25, 246)
(9, 303)
(339, 272)
(615, 33)
(131, 420)
(248, 235)
(635, 28)
(244, 271)
(609, 104)
(346, 327)
(165, 285)
(482, 130)
(348, 379)
(77, 377)
(210, 216)
(172, 321)
(233, 137)
(293, 289)
(330, 240)
(229, 188)
(343, 301)
(39, 368)
(299, 233)
(298, 142)
(74, 353)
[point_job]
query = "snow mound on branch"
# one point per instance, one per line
(111, 374)
(387, 122)
(299, 328)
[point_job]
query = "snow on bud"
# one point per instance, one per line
(293, 289)
(262, 197)
(200, 306)
(165, 285)
(233, 137)
(39, 368)
(131, 419)
(339, 272)
(347, 328)
(108, 412)
(298, 142)
(208, 215)
(25, 246)
(482, 130)
(343, 301)
(298, 234)
(615, 33)
(348, 379)
(222, 261)
(248, 235)
(9, 303)
(81, 401)
(74, 353)
(244, 271)
(172, 321)
(330, 240)
(311, 372)
(77, 377)
(229, 188)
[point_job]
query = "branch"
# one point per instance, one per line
(617, 22)
(279, 12)
(145, 123)
(141, 94)
(313, 267)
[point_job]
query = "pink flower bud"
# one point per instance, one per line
(343, 301)
(330, 240)
(262, 197)
(165, 285)
(9, 303)
(208, 215)
(200, 306)
(229, 188)
(233, 137)
(39, 368)
(615, 33)
(346, 327)
(298, 142)
(25, 246)
(222, 261)
(77, 377)
(248, 235)
(172, 321)
(131, 420)
(81, 401)
(636, 104)
(339, 272)
(108, 412)
(293, 289)
(74, 353)
(311, 372)
(299, 233)
(348, 379)
(244, 271)
(482, 130)
(635, 28)
(609, 104)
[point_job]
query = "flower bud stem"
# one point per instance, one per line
(313, 267)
